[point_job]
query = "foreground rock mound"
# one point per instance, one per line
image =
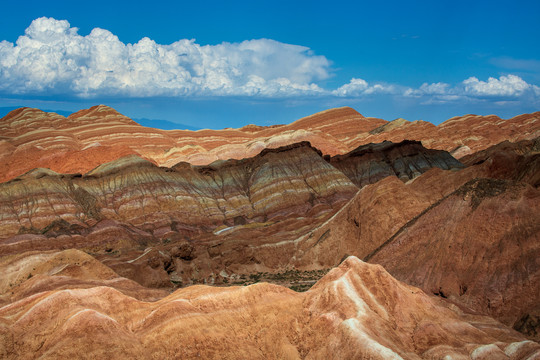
(356, 311)
(26, 274)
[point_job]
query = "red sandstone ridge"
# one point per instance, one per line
(356, 311)
(31, 138)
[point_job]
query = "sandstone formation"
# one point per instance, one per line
(29, 273)
(378, 210)
(448, 228)
(408, 159)
(151, 211)
(235, 216)
(280, 183)
(31, 138)
(356, 311)
(460, 135)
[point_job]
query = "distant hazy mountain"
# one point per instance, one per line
(164, 124)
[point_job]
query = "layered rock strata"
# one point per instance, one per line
(291, 181)
(460, 135)
(287, 207)
(406, 160)
(234, 217)
(31, 138)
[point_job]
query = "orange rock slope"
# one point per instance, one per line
(356, 311)
(31, 138)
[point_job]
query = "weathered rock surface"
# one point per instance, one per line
(483, 249)
(460, 135)
(368, 164)
(428, 233)
(279, 183)
(29, 273)
(515, 161)
(379, 210)
(466, 233)
(356, 311)
(194, 223)
(31, 138)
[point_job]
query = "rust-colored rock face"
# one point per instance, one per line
(485, 255)
(379, 210)
(106, 227)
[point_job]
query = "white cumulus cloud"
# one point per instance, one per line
(429, 89)
(53, 57)
(510, 85)
(360, 87)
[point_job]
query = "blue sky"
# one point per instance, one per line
(226, 64)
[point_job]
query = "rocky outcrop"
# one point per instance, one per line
(460, 135)
(356, 311)
(287, 182)
(32, 138)
(378, 210)
(466, 234)
(30, 273)
(406, 160)
(516, 161)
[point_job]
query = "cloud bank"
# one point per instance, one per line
(360, 87)
(510, 85)
(53, 59)
(506, 87)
